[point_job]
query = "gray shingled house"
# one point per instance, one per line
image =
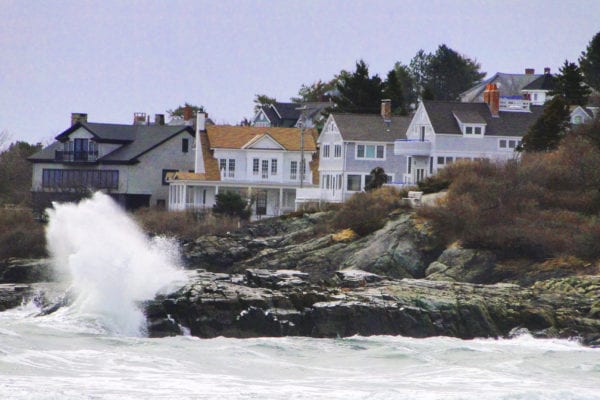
(128, 162)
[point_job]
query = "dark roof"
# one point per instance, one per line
(508, 85)
(469, 117)
(135, 139)
(371, 127)
(508, 123)
(287, 114)
(544, 82)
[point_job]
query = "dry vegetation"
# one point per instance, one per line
(185, 225)
(20, 234)
(544, 205)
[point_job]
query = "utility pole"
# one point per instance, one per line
(303, 123)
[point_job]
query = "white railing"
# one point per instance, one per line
(412, 147)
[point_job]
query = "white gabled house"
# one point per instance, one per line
(442, 132)
(351, 146)
(261, 163)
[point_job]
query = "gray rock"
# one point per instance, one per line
(463, 265)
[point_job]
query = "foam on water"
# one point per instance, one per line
(111, 264)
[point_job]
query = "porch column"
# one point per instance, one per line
(280, 200)
(184, 195)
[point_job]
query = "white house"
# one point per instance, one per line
(351, 146)
(442, 132)
(287, 115)
(129, 162)
(262, 163)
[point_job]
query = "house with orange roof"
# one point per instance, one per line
(263, 164)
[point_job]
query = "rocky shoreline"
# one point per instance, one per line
(290, 276)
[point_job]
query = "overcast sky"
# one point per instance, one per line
(111, 58)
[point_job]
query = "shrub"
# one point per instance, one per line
(544, 205)
(231, 204)
(366, 212)
(21, 235)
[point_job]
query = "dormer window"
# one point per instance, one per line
(473, 130)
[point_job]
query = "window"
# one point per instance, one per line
(449, 160)
(370, 151)
(502, 143)
(337, 151)
(353, 183)
(222, 164)
(577, 119)
(265, 169)
(431, 165)
(409, 165)
(231, 167)
(274, 166)
(478, 130)
(75, 178)
(255, 166)
(512, 144)
(185, 144)
(293, 170)
(325, 151)
(468, 130)
(422, 134)
(440, 160)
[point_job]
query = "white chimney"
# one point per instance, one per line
(200, 131)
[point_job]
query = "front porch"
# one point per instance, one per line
(265, 200)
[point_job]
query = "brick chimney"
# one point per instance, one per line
(187, 113)
(491, 96)
(547, 71)
(386, 110)
(529, 71)
(139, 118)
(78, 117)
(159, 119)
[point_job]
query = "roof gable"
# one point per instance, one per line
(263, 142)
(236, 137)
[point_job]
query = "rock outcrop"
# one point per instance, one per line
(279, 303)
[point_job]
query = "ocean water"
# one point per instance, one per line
(94, 346)
(59, 357)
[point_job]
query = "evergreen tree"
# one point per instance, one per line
(448, 73)
(15, 172)
(358, 92)
(409, 87)
(377, 178)
(393, 90)
(231, 204)
(570, 86)
(590, 62)
(418, 69)
(318, 91)
(546, 133)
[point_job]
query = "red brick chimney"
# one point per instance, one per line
(491, 96)
(139, 118)
(529, 71)
(187, 113)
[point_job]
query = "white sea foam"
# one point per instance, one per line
(111, 264)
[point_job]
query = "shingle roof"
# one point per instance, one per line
(135, 139)
(508, 85)
(235, 137)
(509, 123)
(371, 127)
(469, 117)
(544, 82)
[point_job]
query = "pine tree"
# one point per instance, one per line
(590, 62)
(393, 90)
(359, 93)
(546, 133)
(569, 85)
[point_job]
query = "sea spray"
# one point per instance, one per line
(111, 264)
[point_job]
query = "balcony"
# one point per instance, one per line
(407, 147)
(75, 156)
